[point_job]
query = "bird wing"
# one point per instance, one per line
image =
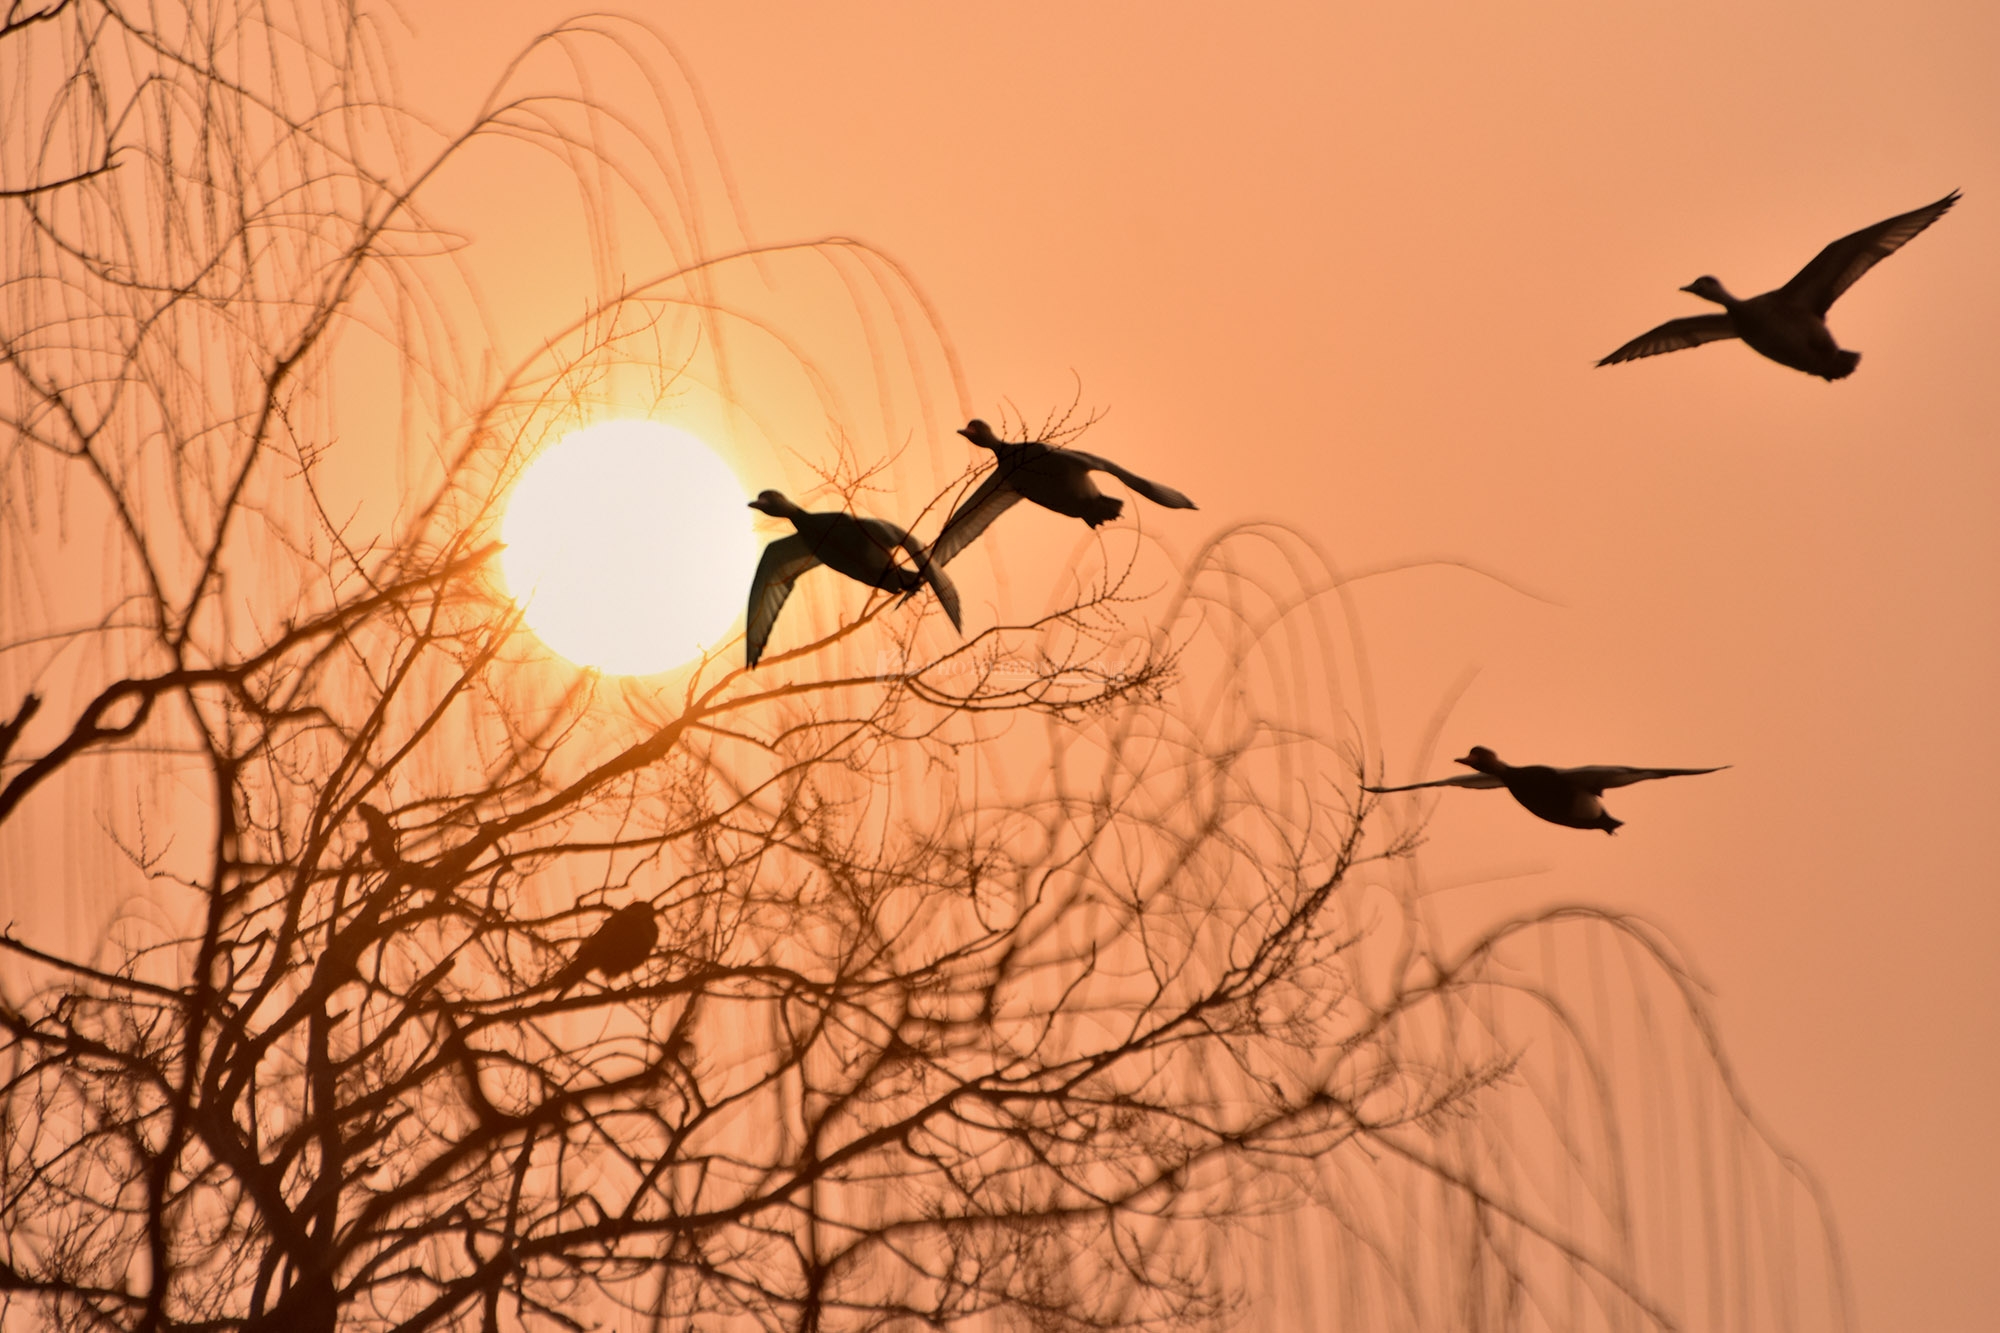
(1839, 266)
(947, 594)
(1462, 780)
(1674, 335)
(784, 560)
(887, 536)
(993, 498)
(1600, 777)
(1152, 490)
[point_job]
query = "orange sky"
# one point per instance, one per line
(1348, 267)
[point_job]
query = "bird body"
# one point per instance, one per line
(381, 838)
(1571, 797)
(1052, 477)
(864, 549)
(622, 942)
(1788, 325)
(1784, 329)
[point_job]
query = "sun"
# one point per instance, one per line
(629, 547)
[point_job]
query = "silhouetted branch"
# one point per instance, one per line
(21, 15)
(910, 979)
(29, 191)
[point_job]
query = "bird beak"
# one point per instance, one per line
(966, 433)
(1690, 290)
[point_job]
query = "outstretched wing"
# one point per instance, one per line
(784, 560)
(1673, 336)
(947, 594)
(993, 498)
(1152, 490)
(1601, 777)
(1839, 266)
(1462, 780)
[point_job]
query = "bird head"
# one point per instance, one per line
(980, 434)
(1708, 289)
(1480, 758)
(773, 502)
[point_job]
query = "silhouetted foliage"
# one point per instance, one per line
(904, 981)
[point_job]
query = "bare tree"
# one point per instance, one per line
(904, 982)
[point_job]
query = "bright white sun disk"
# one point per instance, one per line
(629, 546)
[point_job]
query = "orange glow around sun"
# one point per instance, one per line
(629, 547)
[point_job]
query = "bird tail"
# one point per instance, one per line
(1608, 824)
(1101, 509)
(1844, 363)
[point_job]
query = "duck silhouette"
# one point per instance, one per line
(624, 940)
(1566, 796)
(864, 549)
(1789, 325)
(1053, 477)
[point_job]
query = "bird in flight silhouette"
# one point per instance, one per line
(1789, 325)
(861, 548)
(1566, 796)
(1053, 477)
(624, 940)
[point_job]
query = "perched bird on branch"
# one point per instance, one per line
(624, 941)
(1051, 476)
(341, 960)
(1566, 796)
(438, 876)
(382, 840)
(1789, 325)
(864, 549)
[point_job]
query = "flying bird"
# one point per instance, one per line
(1566, 796)
(864, 549)
(1789, 325)
(1052, 477)
(624, 940)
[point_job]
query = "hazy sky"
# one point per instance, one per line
(1348, 266)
